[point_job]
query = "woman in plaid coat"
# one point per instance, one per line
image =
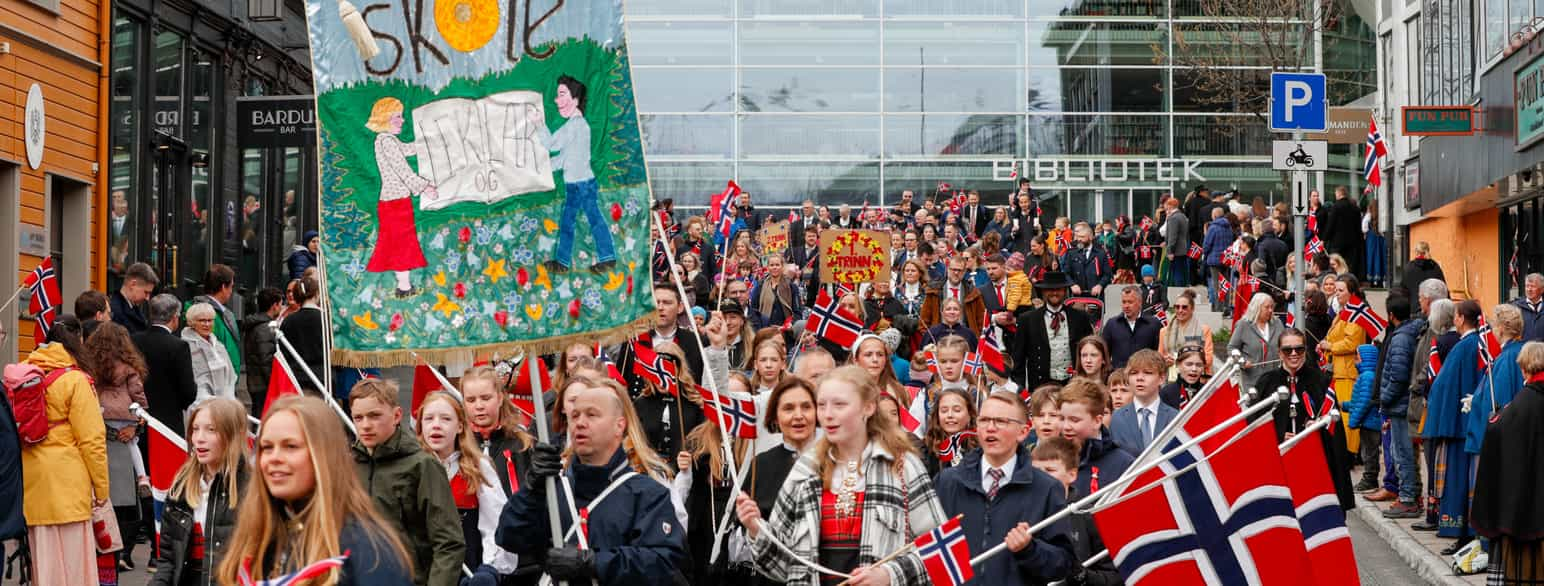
(855, 497)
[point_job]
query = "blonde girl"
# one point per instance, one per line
(201, 505)
(445, 432)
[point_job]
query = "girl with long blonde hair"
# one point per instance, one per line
(306, 505)
(201, 505)
(705, 482)
(445, 432)
(834, 486)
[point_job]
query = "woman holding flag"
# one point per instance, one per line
(857, 494)
(1340, 346)
(307, 514)
(669, 406)
(200, 511)
(708, 481)
(951, 431)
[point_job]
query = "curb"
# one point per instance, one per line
(1429, 566)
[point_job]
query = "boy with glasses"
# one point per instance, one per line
(999, 494)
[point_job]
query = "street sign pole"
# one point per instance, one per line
(1299, 226)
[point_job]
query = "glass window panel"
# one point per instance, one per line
(1219, 136)
(1112, 203)
(954, 43)
(1214, 9)
(1097, 134)
(167, 56)
(1495, 26)
(683, 89)
(789, 183)
(1100, 89)
(1144, 202)
(809, 43)
(690, 184)
(254, 231)
(840, 135)
(1520, 12)
(1071, 203)
(942, 89)
(849, 8)
(910, 135)
(1219, 90)
(1008, 8)
(1129, 8)
(680, 43)
(1095, 43)
(809, 90)
(689, 8)
(1235, 44)
(127, 151)
(196, 235)
(923, 177)
(695, 135)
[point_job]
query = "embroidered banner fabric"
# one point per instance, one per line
(482, 177)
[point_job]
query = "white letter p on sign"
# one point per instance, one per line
(1298, 94)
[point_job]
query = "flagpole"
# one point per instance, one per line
(278, 336)
(13, 298)
(444, 382)
(540, 407)
(1088, 563)
(1132, 473)
(1234, 362)
(165, 431)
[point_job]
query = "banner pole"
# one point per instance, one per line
(542, 435)
(278, 336)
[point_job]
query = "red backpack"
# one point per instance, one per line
(27, 387)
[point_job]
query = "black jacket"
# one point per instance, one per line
(663, 424)
(257, 349)
(1312, 386)
(1032, 345)
(1344, 234)
(1505, 503)
(1087, 267)
(1026, 495)
(1273, 250)
(1417, 272)
(1100, 454)
(303, 330)
(177, 532)
(169, 385)
(125, 314)
(1125, 340)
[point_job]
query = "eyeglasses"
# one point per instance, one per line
(1178, 306)
(1293, 349)
(996, 422)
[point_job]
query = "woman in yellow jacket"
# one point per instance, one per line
(1340, 345)
(65, 475)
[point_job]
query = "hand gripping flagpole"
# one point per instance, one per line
(278, 336)
(542, 435)
(1132, 473)
(160, 427)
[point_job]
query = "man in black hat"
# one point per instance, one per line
(1047, 336)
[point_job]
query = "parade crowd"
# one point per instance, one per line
(742, 438)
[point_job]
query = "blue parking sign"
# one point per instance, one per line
(1299, 102)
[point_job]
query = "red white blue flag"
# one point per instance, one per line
(654, 368)
(1433, 362)
(1376, 150)
(1490, 344)
(828, 320)
(310, 572)
(991, 352)
(946, 554)
(1318, 513)
(972, 363)
(1195, 251)
(1314, 247)
(1360, 313)
(721, 210)
(734, 412)
(44, 307)
(950, 446)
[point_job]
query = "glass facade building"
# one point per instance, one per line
(853, 101)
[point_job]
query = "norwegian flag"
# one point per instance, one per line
(793, 216)
(1147, 223)
(721, 208)
(1224, 287)
(950, 446)
(1233, 256)
(909, 422)
(611, 365)
(1313, 221)
(425, 381)
(281, 382)
(1314, 247)
(1360, 313)
(1227, 519)
(932, 362)
(1376, 150)
(44, 307)
(1064, 240)
(1195, 251)
(830, 321)
(991, 352)
(303, 575)
(654, 368)
(167, 453)
(946, 554)
(1433, 362)
(1161, 314)
(1490, 344)
(1291, 319)
(973, 363)
(738, 413)
(1318, 513)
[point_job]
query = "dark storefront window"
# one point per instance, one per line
(1522, 225)
(254, 230)
(123, 212)
(194, 238)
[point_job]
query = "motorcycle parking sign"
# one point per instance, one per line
(1300, 155)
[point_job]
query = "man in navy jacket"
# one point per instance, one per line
(1130, 331)
(998, 494)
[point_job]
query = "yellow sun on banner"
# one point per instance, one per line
(467, 25)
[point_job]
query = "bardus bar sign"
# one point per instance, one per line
(1099, 170)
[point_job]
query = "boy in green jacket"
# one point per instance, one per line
(408, 486)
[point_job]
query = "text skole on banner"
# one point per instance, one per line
(774, 237)
(482, 178)
(854, 256)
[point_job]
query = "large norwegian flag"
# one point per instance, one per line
(1314, 247)
(738, 416)
(44, 306)
(1360, 313)
(167, 453)
(991, 352)
(1490, 344)
(1318, 513)
(1219, 513)
(281, 383)
(946, 554)
(1376, 150)
(830, 321)
(654, 368)
(721, 209)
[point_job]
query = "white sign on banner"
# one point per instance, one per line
(1300, 155)
(483, 150)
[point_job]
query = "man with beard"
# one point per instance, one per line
(1043, 348)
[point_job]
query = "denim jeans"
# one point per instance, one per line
(1404, 459)
(583, 196)
(1217, 274)
(1369, 449)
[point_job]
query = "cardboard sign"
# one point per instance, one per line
(773, 237)
(854, 256)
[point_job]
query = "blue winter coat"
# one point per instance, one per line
(1459, 377)
(634, 531)
(1503, 383)
(1219, 236)
(1028, 496)
(1103, 454)
(1394, 389)
(1364, 414)
(1533, 321)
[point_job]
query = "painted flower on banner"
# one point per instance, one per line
(522, 256)
(438, 242)
(453, 262)
(353, 268)
(592, 299)
(484, 235)
(512, 300)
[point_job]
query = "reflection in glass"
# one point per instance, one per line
(1008, 8)
(679, 43)
(698, 135)
(809, 43)
(688, 183)
(944, 89)
(815, 8)
(776, 183)
(126, 153)
(835, 135)
(253, 231)
(1094, 8)
(167, 57)
(194, 238)
(974, 43)
(1097, 134)
(923, 177)
(953, 134)
(1096, 43)
(693, 8)
(1208, 135)
(809, 90)
(683, 90)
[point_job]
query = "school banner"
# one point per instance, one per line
(851, 257)
(774, 238)
(482, 177)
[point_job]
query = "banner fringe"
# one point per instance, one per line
(466, 354)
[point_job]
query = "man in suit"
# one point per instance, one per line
(169, 386)
(1343, 236)
(844, 218)
(1135, 425)
(975, 216)
(1176, 243)
(139, 281)
(745, 212)
(1132, 330)
(1043, 346)
(667, 328)
(808, 221)
(1087, 264)
(995, 296)
(954, 286)
(907, 251)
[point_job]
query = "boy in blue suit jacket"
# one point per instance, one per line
(1136, 424)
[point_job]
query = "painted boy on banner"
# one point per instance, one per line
(570, 146)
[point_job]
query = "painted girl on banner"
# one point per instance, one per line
(396, 244)
(570, 146)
